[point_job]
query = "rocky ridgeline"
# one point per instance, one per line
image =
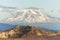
(21, 31)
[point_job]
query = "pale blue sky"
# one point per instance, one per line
(47, 5)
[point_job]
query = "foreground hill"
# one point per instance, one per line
(28, 33)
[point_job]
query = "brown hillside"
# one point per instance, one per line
(29, 33)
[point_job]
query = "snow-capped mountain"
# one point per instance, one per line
(26, 15)
(31, 15)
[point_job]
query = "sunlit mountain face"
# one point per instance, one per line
(28, 16)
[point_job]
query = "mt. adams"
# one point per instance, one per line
(26, 15)
(31, 15)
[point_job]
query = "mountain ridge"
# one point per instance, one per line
(23, 31)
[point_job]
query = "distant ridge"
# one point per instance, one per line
(4, 26)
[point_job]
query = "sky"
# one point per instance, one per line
(51, 7)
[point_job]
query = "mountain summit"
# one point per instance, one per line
(26, 15)
(31, 15)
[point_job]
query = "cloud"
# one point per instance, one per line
(1, 9)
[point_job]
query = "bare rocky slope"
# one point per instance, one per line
(28, 33)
